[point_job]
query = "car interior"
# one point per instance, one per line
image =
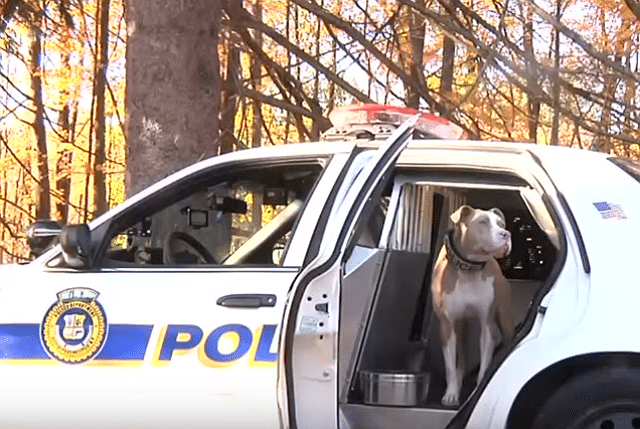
(396, 361)
(242, 218)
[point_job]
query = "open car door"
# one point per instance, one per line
(308, 348)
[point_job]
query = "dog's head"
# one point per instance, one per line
(481, 234)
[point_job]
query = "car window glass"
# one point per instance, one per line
(237, 219)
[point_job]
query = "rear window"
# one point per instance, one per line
(630, 166)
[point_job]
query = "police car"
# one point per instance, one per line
(288, 287)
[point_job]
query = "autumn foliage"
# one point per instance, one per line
(550, 72)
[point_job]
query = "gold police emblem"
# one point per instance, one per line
(75, 327)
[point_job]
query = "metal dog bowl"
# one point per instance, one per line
(395, 388)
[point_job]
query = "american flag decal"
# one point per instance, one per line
(610, 211)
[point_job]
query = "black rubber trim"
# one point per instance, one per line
(304, 282)
(576, 230)
(572, 220)
(314, 246)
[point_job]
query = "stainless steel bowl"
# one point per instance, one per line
(395, 388)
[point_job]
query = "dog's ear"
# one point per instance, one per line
(462, 214)
(499, 213)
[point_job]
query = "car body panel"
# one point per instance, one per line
(585, 313)
(587, 306)
(172, 348)
(308, 349)
(171, 354)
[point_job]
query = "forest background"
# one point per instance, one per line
(100, 98)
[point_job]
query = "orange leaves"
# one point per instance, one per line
(66, 70)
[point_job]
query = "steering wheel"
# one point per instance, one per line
(267, 237)
(185, 257)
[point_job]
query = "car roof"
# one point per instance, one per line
(327, 149)
(311, 149)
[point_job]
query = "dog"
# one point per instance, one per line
(467, 282)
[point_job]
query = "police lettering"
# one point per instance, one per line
(171, 340)
(178, 339)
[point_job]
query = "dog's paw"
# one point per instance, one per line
(450, 399)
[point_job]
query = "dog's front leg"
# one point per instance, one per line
(449, 341)
(487, 344)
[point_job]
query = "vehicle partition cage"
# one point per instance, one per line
(397, 303)
(418, 208)
(401, 337)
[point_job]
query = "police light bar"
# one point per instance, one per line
(367, 115)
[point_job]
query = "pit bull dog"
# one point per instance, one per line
(467, 282)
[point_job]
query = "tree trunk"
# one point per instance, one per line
(64, 156)
(533, 104)
(448, 61)
(411, 44)
(230, 100)
(629, 48)
(603, 138)
(101, 204)
(315, 126)
(173, 87)
(256, 83)
(555, 123)
(446, 84)
(63, 184)
(43, 198)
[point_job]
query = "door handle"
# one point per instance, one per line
(250, 300)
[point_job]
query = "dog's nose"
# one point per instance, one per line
(506, 235)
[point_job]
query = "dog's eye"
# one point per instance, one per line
(483, 222)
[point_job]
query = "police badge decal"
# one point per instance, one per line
(74, 329)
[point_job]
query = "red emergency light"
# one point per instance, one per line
(378, 114)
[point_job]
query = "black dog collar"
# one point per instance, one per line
(457, 260)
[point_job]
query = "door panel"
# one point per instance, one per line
(175, 322)
(171, 353)
(308, 351)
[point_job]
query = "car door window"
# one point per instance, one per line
(246, 217)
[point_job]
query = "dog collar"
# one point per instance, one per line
(458, 260)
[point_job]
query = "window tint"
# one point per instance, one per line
(242, 217)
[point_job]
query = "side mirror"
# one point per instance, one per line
(41, 235)
(75, 241)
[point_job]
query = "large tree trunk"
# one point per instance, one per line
(173, 87)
